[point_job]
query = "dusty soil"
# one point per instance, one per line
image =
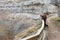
(53, 30)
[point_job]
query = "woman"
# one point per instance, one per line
(44, 17)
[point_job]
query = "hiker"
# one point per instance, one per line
(44, 17)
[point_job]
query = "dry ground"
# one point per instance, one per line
(53, 30)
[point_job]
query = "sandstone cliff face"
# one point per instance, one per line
(15, 0)
(13, 23)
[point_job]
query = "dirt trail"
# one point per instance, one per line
(53, 31)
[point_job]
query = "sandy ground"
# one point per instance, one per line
(53, 30)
